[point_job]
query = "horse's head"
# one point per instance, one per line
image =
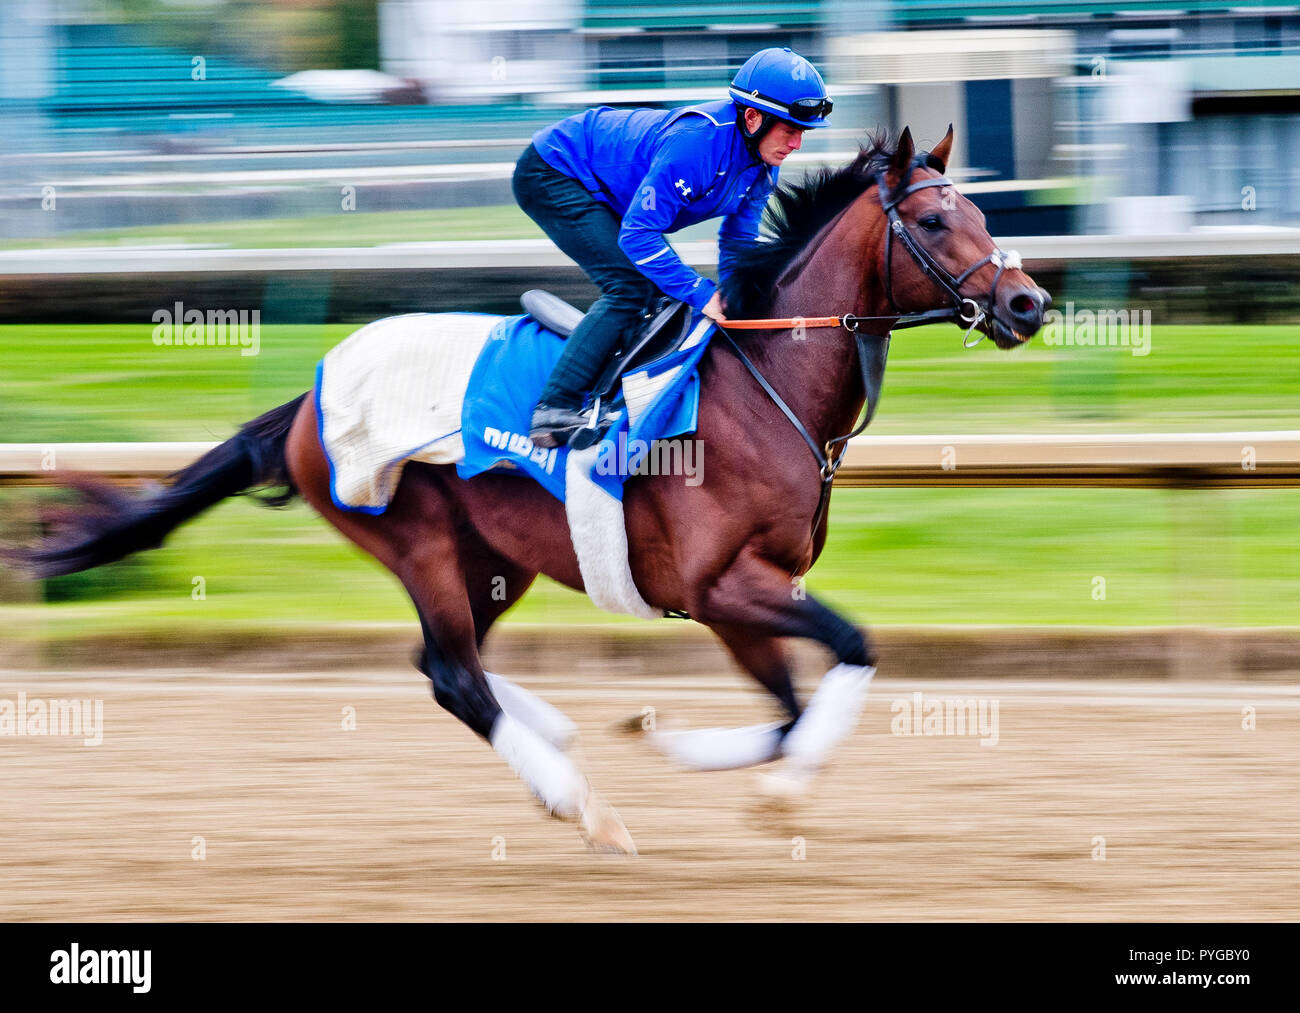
(937, 253)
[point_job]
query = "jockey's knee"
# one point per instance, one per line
(624, 299)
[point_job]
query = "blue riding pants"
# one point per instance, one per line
(587, 231)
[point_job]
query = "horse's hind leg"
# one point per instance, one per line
(495, 583)
(434, 579)
(417, 539)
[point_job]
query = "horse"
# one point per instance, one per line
(725, 551)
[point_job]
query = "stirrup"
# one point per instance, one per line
(559, 431)
(597, 420)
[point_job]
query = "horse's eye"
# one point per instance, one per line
(931, 223)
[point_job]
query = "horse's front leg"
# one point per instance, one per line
(756, 596)
(763, 657)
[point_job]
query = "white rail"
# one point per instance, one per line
(1263, 459)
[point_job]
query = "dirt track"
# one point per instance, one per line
(395, 820)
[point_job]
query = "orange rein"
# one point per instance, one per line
(782, 323)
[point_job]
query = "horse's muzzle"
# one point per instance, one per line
(1018, 315)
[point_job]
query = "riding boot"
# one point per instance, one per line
(558, 414)
(551, 426)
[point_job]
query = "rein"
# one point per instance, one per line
(873, 349)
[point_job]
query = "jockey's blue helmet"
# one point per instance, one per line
(783, 86)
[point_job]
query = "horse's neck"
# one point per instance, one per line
(817, 374)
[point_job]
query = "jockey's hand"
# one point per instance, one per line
(713, 310)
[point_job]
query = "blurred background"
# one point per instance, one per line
(194, 124)
(322, 163)
(326, 162)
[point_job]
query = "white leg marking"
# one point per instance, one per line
(830, 715)
(547, 771)
(558, 783)
(721, 748)
(548, 721)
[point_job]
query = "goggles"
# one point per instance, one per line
(801, 110)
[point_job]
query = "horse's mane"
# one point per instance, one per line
(794, 214)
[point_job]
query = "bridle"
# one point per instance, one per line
(962, 309)
(873, 349)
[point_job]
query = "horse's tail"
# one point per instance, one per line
(110, 524)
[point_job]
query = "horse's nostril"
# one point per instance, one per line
(1024, 306)
(1047, 299)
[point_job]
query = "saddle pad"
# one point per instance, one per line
(661, 401)
(392, 392)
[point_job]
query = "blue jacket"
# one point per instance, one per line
(661, 170)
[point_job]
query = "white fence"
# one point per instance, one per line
(1267, 459)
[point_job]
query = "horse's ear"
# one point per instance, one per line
(943, 150)
(903, 154)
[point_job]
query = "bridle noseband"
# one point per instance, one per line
(963, 309)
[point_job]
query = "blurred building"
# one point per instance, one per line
(574, 49)
(481, 50)
(1187, 112)
(1137, 115)
(1184, 110)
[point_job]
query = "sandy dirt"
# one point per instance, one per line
(410, 816)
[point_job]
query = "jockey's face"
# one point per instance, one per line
(778, 142)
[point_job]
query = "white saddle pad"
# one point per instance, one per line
(392, 392)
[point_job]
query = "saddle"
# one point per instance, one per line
(663, 328)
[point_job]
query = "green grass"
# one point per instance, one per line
(110, 382)
(1013, 556)
(895, 556)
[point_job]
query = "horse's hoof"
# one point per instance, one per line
(603, 829)
(785, 787)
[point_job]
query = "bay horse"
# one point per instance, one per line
(884, 232)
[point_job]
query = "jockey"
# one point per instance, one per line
(607, 184)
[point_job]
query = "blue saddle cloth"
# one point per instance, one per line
(508, 378)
